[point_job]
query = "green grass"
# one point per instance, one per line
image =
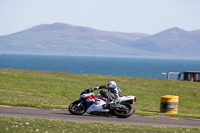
(19, 125)
(58, 90)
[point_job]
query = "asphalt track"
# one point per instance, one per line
(64, 115)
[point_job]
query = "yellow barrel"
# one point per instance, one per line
(169, 104)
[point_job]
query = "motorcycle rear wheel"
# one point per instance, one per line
(77, 110)
(124, 113)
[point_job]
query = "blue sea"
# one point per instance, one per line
(117, 66)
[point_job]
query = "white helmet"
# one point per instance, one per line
(111, 84)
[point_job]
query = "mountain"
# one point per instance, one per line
(196, 32)
(173, 42)
(64, 39)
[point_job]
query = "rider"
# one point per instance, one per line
(113, 90)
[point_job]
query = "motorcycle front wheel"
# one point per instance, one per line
(124, 113)
(76, 109)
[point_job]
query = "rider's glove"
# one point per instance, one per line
(88, 90)
(94, 88)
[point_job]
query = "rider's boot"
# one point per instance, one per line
(107, 105)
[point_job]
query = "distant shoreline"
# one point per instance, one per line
(81, 55)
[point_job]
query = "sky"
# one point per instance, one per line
(131, 16)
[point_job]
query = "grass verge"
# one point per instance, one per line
(57, 90)
(12, 125)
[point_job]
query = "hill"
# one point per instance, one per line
(64, 39)
(173, 42)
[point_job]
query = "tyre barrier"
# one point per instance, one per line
(169, 104)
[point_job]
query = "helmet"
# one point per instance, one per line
(111, 84)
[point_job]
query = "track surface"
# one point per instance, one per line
(64, 115)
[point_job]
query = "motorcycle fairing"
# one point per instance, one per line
(89, 102)
(128, 99)
(97, 107)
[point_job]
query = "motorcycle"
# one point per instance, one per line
(96, 104)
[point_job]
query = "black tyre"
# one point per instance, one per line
(77, 110)
(124, 113)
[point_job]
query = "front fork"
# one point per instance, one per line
(80, 102)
